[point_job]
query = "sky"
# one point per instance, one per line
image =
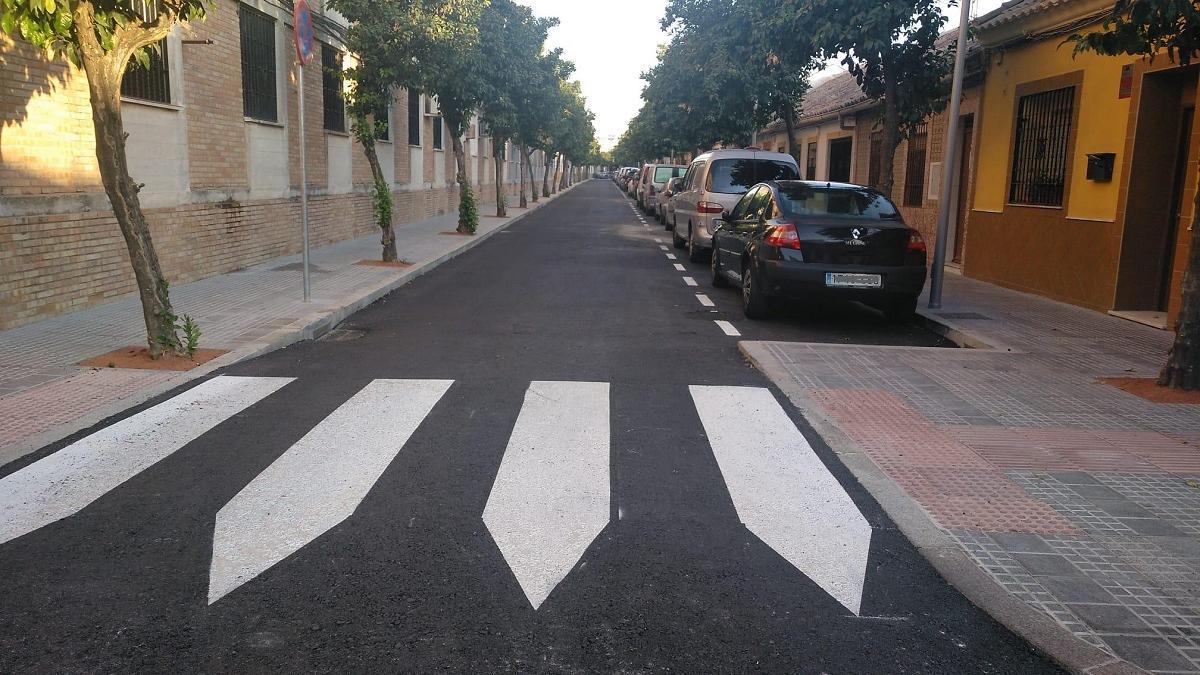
(612, 42)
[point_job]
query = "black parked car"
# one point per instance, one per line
(806, 239)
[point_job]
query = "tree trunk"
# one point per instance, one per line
(546, 179)
(789, 125)
(890, 134)
(1183, 365)
(466, 199)
(521, 173)
(383, 192)
(533, 191)
(498, 160)
(566, 169)
(104, 72)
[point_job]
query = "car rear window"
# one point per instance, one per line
(859, 204)
(665, 173)
(735, 176)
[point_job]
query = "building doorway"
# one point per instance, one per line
(841, 150)
(1150, 271)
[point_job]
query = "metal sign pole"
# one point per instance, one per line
(303, 187)
(938, 274)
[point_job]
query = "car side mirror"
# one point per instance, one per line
(718, 223)
(724, 215)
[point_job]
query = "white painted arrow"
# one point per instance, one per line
(65, 482)
(783, 492)
(551, 495)
(318, 482)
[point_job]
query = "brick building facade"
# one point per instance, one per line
(213, 137)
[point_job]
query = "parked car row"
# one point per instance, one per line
(747, 213)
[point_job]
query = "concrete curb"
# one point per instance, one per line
(310, 327)
(1041, 631)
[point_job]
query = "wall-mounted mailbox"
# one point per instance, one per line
(1100, 166)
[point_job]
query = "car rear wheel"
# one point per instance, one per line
(676, 240)
(755, 305)
(718, 274)
(695, 251)
(901, 310)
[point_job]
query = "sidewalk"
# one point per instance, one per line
(45, 397)
(1014, 469)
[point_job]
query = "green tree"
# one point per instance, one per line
(512, 39)
(889, 47)
(102, 38)
(448, 68)
(1152, 28)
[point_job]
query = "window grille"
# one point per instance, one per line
(914, 171)
(414, 117)
(1043, 133)
(258, 64)
(875, 167)
(438, 143)
(151, 82)
(810, 171)
(331, 89)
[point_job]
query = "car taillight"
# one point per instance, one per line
(710, 207)
(916, 244)
(783, 236)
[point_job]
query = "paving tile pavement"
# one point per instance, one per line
(42, 388)
(1079, 499)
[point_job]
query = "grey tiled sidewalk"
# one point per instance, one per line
(44, 395)
(1105, 537)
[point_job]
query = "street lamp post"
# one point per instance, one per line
(938, 274)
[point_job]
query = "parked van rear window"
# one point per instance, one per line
(736, 176)
(665, 173)
(802, 200)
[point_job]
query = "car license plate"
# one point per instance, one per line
(846, 280)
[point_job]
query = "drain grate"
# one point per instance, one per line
(964, 316)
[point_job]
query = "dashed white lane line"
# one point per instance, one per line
(680, 268)
(318, 482)
(705, 300)
(728, 328)
(671, 256)
(664, 248)
(690, 281)
(659, 241)
(65, 482)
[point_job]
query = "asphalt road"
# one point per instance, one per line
(545, 455)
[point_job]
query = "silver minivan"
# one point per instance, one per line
(653, 182)
(713, 184)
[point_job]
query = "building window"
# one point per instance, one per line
(152, 81)
(331, 89)
(875, 166)
(1043, 132)
(258, 64)
(383, 119)
(841, 151)
(414, 117)
(437, 133)
(914, 171)
(810, 171)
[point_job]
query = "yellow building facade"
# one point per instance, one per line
(1086, 166)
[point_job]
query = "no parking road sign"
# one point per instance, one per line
(302, 26)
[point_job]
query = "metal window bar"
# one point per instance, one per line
(258, 65)
(438, 143)
(810, 171)
(334, 103)
(914, 170)
(1043, 132)
(151, 83)
(414, 117)
(876, 163)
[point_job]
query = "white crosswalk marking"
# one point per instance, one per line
(783, 492)
(318, 482)
(551, 495)
(65, 482)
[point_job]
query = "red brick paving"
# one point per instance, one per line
(959, 487)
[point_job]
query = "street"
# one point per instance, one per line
(546, 455)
